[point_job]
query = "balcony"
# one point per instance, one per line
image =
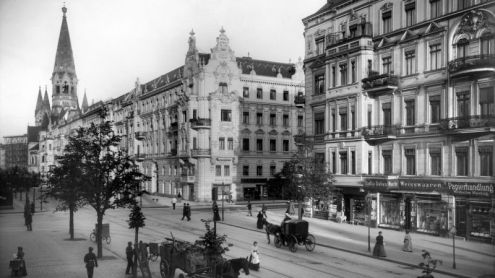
(472, 64)
(380, 132)
(470, 125)
(140, 135)
(364, 29)
(200, 123)
(300, 101)
(201, 152)
(382, 83)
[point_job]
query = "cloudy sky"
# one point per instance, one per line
(116, 41)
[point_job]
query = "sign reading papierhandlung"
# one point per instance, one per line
(471, 188)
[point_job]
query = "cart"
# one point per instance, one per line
(105, 233)
(15, 268)
(296, 233)
(177, 254)
(154, 251)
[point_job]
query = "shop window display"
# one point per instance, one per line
(390, 214)
(432, 218)
(480, 221)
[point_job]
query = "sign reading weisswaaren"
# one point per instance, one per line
(471, 188)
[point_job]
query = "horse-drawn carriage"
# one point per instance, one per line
(191, 259)
(295, 233)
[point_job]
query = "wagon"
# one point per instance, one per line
(177, 254)
(296, 233)
(15, 268)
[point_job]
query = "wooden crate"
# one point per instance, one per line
(105, 230)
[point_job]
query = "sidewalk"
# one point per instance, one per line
(473, 259)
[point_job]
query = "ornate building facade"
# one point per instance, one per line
(216, 126)
(399, 99)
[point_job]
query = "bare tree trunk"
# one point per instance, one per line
(71, 221)
(299, 210)
(134, 266)
(98, 235)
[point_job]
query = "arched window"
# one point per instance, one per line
(462, 48)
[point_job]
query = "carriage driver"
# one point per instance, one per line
(282, 227)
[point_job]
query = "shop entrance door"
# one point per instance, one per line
(460, 216)
(347, 207)
(191, 192)
(408, 214)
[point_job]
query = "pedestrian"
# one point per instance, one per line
(263, 210)
(26, 212)
(249, 208)
(302, 212)
(230, 198)
(29, 221)
(216, 215)
(20, 256)
(292, 209)
(379, 250)
(407, 247)
(174, 200)
(259, 223)
(254, 259)
(184, 211)
(91, 262)
(129, 253)
(188, 212)
(32, 207)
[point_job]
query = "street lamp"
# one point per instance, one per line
(368, 205)
(223, 196)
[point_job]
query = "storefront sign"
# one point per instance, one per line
(226, 180)
(381, 184)
(420, 185)
(263, 180)
(471, 188)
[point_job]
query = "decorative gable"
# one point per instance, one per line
(433, 28)
(286, 133)
(385, 42)
(273, 132)
(260, 132)
(246, 131)
(407, 36)
(318, 63)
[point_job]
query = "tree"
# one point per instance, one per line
(213, 245)
(304, 177)
(101, 170)
(136, 221)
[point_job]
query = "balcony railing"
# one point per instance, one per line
(200, 152)
(483, 62)
(379, 131)
(140, 135)
(200, 123)
(301, 100)
(380, 82)
(363, 30)
(474, 121)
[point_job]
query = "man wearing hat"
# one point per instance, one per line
(130, 253)
(91, 262)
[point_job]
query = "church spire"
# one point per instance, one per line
(39, 102)
(64, 60)
(85, 103)
(46, 101)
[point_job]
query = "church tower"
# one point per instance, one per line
(64, 78)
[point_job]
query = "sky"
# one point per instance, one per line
(116, 41)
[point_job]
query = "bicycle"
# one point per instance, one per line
(92, 237)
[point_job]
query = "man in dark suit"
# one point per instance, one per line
(91, 262)
(129, 253)
(184, 211)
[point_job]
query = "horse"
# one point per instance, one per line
(231, 268)
(271, 229)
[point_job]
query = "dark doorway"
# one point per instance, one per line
(408, 214)
(460, 216)
(214, 193)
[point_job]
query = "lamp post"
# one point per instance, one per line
(42, 180)
(453, 231)
(223, 197)
(368, 205)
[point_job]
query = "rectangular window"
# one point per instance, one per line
(411, 14)
(273, 95)
(486, 101)
(334, 162)
(334, 120)
(343, 74)
(463, 99)
(218, 170)
(387, 114)
(353, 162)
(320, 47)
(462, 4)
(273, 119)
(343, 118)
(259, 145)
(370, 163)
(230, 144)
(286, 120)
(226, 170)
(319, 84)
(387, 21)
(487, 43)
(259, 170)
(285, 145)
(245, 117)
(259, 93)
(387, 162)
(370, 114)
(195, 115)
(300, 120)
(353, 118)
(334, 77)
(320, 123)
(286, 96)
(435, 57)
(245, 170)
(435, 8)
(435, 109)
(343, 162)
(273, 145)
(245, 144)
(353, 71)
(226, 115)
(410, 62)
(486, 160)
(462, 159)
(272, 170)
(222, 143)
(410, 112)
(245, 92)
(462, 48)
(387, 65)
(259, 118)
(435, 161)
(410, 161)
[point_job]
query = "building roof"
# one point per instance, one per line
(32, 132)
(64, 60)
(35, 147)
(265, 68)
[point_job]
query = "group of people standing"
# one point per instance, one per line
(186, 212)
(379, 250)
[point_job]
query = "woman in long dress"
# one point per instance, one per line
(379, 250)
(259, 223)
(216, 214)
(254, 259)
(20, 256)
(407, 247)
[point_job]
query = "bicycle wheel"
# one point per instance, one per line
(108, 239)
(92, 236)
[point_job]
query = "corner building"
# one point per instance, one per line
(400, 100)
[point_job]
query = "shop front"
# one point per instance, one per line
(254, 189)
(221, 189)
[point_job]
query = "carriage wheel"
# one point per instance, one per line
(292, 241)
(165, 270)
(310, 242)
(108, 239)
(277, 241)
